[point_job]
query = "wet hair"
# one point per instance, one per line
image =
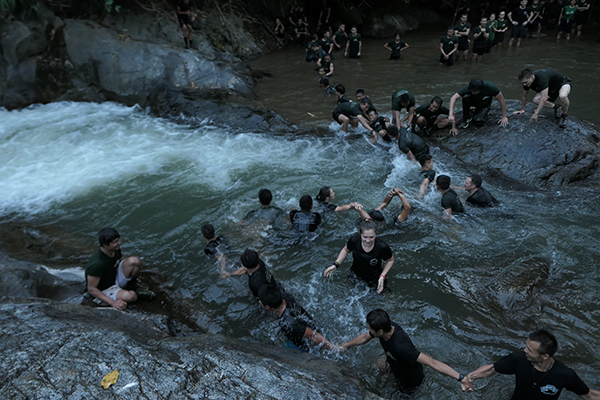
(306, 202)
(270, 296)
(249, 258)
(476, 85)
(397, 34)
(341, 89)
(265, 196)
(404, 98)
(321, 68)
(450, 28)
(315, 37)
(208, 231)
(360, 91)
(107, 235)
(366, 226)
(315, 44)
(437, 100)
(525, 74)
(443, 182)
(325, 82)
(547, 341)
(424, 159)
(354, 27)
(379, 320)
(324, 193)
(377, 216)
(367, 101)
(476, 180)
(392, 130)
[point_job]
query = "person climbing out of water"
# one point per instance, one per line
(404, 360)
(185, 16)
(354, 44)
(378, 123)
(450, 201)
(551, 86)
(409, 143)
(402, 98)
(478, 96)
(326, 195)
(396, 46)
(352, 113)
(258, 273)
(305, 220)
(376, 214)
(214, 245)
(431, 116)
(294, 321)
(427, 172)
(266, 210)
(368, 253)
(107, 274)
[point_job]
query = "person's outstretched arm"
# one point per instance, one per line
(338, 261)
(357, 341)
(445, 369)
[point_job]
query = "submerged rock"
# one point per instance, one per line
(56, 350)
(537, 154)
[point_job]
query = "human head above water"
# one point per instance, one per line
(425, 159)
(324, 193)
(265, 197)
(249, 258)
(443, 182)
(208, 231)
(475, 86)
(367, 226)
(378, 320)
(107, 235)
(341, 89)
(270, 296)
(306, 202)
(547, 341)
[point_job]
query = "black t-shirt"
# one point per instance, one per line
(294, 321)
(396, 47)
(450, 200)
(262, 276)
(349, 109)
(379, 123)
(354, 44)
(402, 356)
(548, 78)
(428, 174)
(343, 99)
(305, 221)
(408, 141)
(367, 266)
(424, 111)
(519, 15)
(482, 198)
(183, 7)
(269, 213)
(532, 384)
(212, 248)
(326, 206)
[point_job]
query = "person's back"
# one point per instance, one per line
(402, 356)
(102, 266)
(305, 221)
(450, 200)
(482, 198)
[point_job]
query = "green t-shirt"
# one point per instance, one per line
(489, 90)
(569, 12)
(349, 109)
(104, 267)
(428, 174)
(396, 106)
(423, 110)
(491, 25)
(548, 78)
(481, 38)
(450, 200)
(448, 43)
(396, 47)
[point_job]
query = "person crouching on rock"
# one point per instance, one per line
(107, 273)
(185, 15)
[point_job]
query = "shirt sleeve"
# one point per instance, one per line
(506, 365)
(386, 252)
(577, 386)
(447, 202)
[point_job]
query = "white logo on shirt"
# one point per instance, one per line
(549, 389)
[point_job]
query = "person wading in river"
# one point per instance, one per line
(539, 376)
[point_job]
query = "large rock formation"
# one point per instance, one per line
(537, 154)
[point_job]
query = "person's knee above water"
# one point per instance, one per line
(305, 220)
(404, 360)
(402, 98)
(106, 274)
(352, 113)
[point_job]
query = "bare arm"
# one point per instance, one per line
(353, 205)
(386, 200)
(358, 341)
(386, 269)
(359, 48)
(482, 372)
(92, 288)
(453, 50)
(423, 188)
(240, 271)
(330, 70)
(445, 369)
(592, 395)
(504, 120)
(405, 207)
(448, 213)
(340, 259)
(317, 338)
(442, 50)
(387, 47)
(543, 101)
(523, 102)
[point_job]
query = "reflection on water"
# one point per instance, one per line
(466, 291)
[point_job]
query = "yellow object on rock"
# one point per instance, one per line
(110, 379)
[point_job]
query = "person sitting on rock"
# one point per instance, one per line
(409, 143)
(295, 323)
(352, 113)
(214, 244)
(429, 116)
(305, 220)
(107, 274)
(266, 210)
(551, 86)
(279, 29)
(379, 123)
(301, 32)
(185, 16)
(402, 98)
(478, 96)
(478, 195)
(427, 172)
(258, 273)
(450, 201)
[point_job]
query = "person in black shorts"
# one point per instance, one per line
(462, 30)
(213, 245)
(539, 376)
(326, 194)
(305, 220)
(519, 17)
(185, 16)
(581, 15)
(352, 113)
(368, 253)
(551, 86)
(448, 46)
(258, 273)
(450, 201)
(295, 323)
(404, 360)
(478, 195)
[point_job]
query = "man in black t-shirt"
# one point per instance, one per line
(519, 17)
(478, 195)
(305, 220)
(185, 16)
(213, 244)
(450, 201)
(410, 144)
(405, 361)
(539, 376)
(295, 323)
(258, 274)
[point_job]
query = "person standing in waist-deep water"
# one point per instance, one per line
(539, 376)
(583, 7)
(396, 46)
(354, 44)
(305, 220)
(462, 30)
(404, 360)
(448, 46)
(368, 253)
(340, 37)
(185, 16)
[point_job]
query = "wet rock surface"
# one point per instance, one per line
(57, 350)
(538, 154)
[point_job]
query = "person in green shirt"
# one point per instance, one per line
(429, 116)
(402, 98)
(448, 46)
(107, 274)
(395, 46)
(492, 23)
(551, 86)
(567, 17)
(352, 113)
(478, 95)
(450, 201)
(481, 35)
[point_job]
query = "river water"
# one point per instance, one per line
(467, 291)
